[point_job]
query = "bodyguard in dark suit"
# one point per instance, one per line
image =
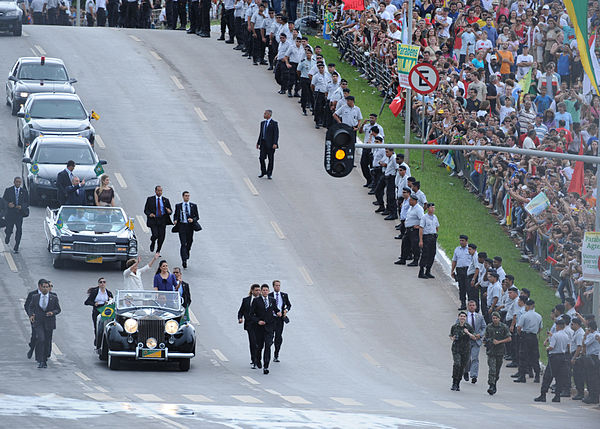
(30, 296)
(186, 295)
(17, 207)
(76, 193)
(42, 313)
(64, 179)
(284, 306)
(245, 317)
(268, 141)
(264, 312)
(186, 222)
(97, 297)
(158, 216)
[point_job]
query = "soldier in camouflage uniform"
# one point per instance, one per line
(460, 333)
(496, 334)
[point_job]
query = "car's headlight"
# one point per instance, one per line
(41, 181)
(132, 247)
(23, 94)
(11, 13)
(93, 182)
(56, 244)
(130, 326)
(151, 343)
(171, 327)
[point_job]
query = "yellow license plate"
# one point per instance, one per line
(93, 259)
(153, 354)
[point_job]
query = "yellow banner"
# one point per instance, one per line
(407, 59)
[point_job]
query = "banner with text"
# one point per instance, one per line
(590, 256)
(407, 59)
(538, 204)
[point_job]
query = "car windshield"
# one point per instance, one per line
(37, 71)
(57, 109)
(99, 220)
(129, 299)
(60, 154)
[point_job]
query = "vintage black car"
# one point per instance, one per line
(89, 234)
(147, 326)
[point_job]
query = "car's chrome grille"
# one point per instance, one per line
(94, 248)
(151, 328)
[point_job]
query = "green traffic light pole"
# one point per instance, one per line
(529, 152)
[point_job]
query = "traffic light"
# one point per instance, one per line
(339, 150)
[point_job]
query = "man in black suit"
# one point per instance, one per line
(283, 304)
(42, 313)
(76, 193)
(268, 141)
(30, 296)
(186, 296)
(186, 222)
(17, 201)
(64, 179)
(245, 317)
(158, 216)
(264, 312)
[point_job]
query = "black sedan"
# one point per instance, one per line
(32, 75)
(47, 156)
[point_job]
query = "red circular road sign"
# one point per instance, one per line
(423, 78)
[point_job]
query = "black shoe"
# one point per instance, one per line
(516, 375)
(221, 38)
(556, 398)
(512, 365)
(41, 364)
(296, 95)
(261, 175)
(399, 237)
(317, 127)
(413, 264)
(371, 192)
(265, 371)
(473, 380)
(258, 364)
(152, 246)
(520, 380)
(280, 92)
(466, 376)
(458, 386)
(254, 63)
(246, 55)
(207, 35)
(270, 177)
(229, 42)
(184, 263)
(253, 366)
(400, 262)
(578, 397)
(391, 217)
(270, 68)
(590, 400)
(190, 32)
(541, 398)
(536, 379)
(304, 113)
(429, 275)
(380, 209)
(530, 373)
(238, 48)
(31, 349)
(290, 94)
(7, 239)
(263, 63)
(454, 387)
(422, 276)
(385, 213)
(276, 359)
(16, 249)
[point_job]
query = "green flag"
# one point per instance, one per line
(107, 311)
(98, 169)
(186, 316)
(59, 223)
(35, 169)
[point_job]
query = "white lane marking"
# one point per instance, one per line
(277, 229)
(224, 147)
(337, 321)
(250, 379)
(148, 397)
(296, 400)
(121, 180)
(117, 196)
(548, 408)
(98, 141)
(35, 54)
(193, 318)
(198, 398)
(273, 392)
(398, 403)
(10, 261)
(56, 350)
(169, 421)
(40, 49)
(141, 223)
(346, 401)
(135, 38)
(448, 404)
(220, 355)
(371, 359)
(155, 55)
(82, 376)
(247, 399)
(250, 186)
(306, 276)
(200, 113)
(98, 396)
(101, 389)
(496, 406)
(177, 82)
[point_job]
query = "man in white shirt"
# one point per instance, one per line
(445, 22)
(393, 32)
(132, 276)
(524, 62)
(37, 9)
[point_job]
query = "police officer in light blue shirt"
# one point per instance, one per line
(460, 263)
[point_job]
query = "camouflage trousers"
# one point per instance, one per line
(494, 365)
(461, 359)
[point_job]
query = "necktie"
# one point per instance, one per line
(44, 302)
(473, 320)
(265, 130)
(16, 196)
(187, 212)
(266, 303)
(158, 212)
(278, 301)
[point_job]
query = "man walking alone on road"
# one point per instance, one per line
(42, 313)
(186, 222)
(17, 201)
(268, 141)
(427, 241)
(158, 216)
(460, 263)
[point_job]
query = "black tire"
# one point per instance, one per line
(113, 362)
(57, 263)
(184, 364)
(103, 355)
(7, 100)
(19, 30)
(15, 108)
(123, 265)
(19, 141)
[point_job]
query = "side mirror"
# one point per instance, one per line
(103, 162)
(20, 114)
(72, 80)
(12, 79)
(27, 160)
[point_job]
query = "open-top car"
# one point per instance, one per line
(89, 234)
(147, 325)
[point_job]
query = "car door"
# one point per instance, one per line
(26, 173)
(10, 85)
(22, 123)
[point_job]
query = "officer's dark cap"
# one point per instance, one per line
(489, 260)
(513, 289)
(283, 34)
(463, 237)
(331, 65)
(493, 273)
(576, 320)
(498, 258)
(472, 246)
(350, 98)
(379, 138)
(373, 114)
(320, 64)
(530, 302)
(335, 74)
(496, 314)
(405, 189)
(560, 322)
(429, 205)
(510, 277)
(399, 155)
(417, 183)
(462, 312)
(343, 81)
(304, 38)
(414, 197)
(523, 298)
(346, 91)
(402, 167)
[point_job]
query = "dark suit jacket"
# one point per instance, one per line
(47, 322)
(186, 295)
(150, 208)
(10, 197)
(93, 294)
(73, 198)
(177, 215)
(30, 297)
(259, 312)
(62, 183)
(271, 137)
(287, 305)
(245, 312)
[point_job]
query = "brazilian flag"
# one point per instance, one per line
(107, 311)
(186, 316)
(35, 169)
(98, 169)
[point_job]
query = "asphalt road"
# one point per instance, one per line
(368, 343)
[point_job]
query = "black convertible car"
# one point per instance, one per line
(147, 325)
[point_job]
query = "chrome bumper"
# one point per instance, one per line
(130, 354)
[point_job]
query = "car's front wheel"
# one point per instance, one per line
(57, 263)
(15, 108)
(113, 362)
(103, 350)
(18, 29)
(184, 364)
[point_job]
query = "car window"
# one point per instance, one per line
(97, 220)
(36, 71)
(60, 154)
(32, 150)
(57, 109)
(13, 70)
